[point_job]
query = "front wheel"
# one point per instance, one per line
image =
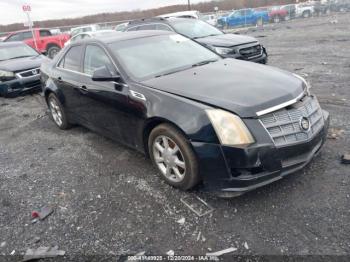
(173, 156)
(57, 112)
(259, 22)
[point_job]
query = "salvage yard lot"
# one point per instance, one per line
(109, 200)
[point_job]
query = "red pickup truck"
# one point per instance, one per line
(45, 42)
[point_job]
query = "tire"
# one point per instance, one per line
(57, 112)
(167, 162)
(52, 50)
(306, 14)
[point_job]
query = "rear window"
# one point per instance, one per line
(44, 33)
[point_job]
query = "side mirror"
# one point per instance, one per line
(102, 74)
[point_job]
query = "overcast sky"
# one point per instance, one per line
(11, 10)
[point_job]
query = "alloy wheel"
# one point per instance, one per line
(56, 112)
(169, 158)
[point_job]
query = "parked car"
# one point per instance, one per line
(340, 5)
(87, 35)
(121, 27)
(291, 10)
(184, 14)
(304, 10)
(82, 29)
(46, 43)
(210, 19)
(227, 45)
(19, 68)
(234, 125)
(277, 14)
(244, 17)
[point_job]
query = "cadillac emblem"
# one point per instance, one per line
(304, 124)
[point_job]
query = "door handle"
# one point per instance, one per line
(83, 89)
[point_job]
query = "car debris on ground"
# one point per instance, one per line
(197, 205)
(170, 253)
(345, 159)
(42, 252)
(222, 252)
(181, 221)
(43, 213)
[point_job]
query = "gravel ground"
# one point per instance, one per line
(108, 199)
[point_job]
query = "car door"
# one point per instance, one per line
(67, 78)
(105, 105)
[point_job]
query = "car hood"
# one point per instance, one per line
(238, 86)
(226, 40)
(21, 64)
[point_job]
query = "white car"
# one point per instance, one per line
(87, 35)
(304, 10)
(185, 14)
(210, 19)
(82, 29)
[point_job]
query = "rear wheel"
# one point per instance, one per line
(306, 14)
(173, 156)
(57, 112)
(52, 51)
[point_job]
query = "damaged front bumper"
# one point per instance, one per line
(239, 170)
(17, 86)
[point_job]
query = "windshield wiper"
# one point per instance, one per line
(197, 37)
(204, 62)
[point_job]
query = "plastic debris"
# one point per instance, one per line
(42, 252)
(170, 253)
(222, 252)
(181, 221)
(199, 235)
(197, 205)
(345, 159)
(246, 245)
(43, 213)
(13, 252)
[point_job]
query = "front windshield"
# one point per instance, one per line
(21, 50)
(194, 28)
(154, 56)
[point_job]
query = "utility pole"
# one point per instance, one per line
(189, 4)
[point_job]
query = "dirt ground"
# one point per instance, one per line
(108, 199)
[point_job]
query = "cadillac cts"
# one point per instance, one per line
(230, 124)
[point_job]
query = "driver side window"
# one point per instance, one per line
(95, 57)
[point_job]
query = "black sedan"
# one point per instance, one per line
(234, 125)
(19, 68)
(227, 45)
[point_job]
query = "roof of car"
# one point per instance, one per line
(167, 20)
(110, 38)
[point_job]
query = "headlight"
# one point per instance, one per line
(229, 128)
(5, 75)
(306, 84)
(223, 50)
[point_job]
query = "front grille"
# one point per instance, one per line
(284, 125)
(29, 73)
(251, 51)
